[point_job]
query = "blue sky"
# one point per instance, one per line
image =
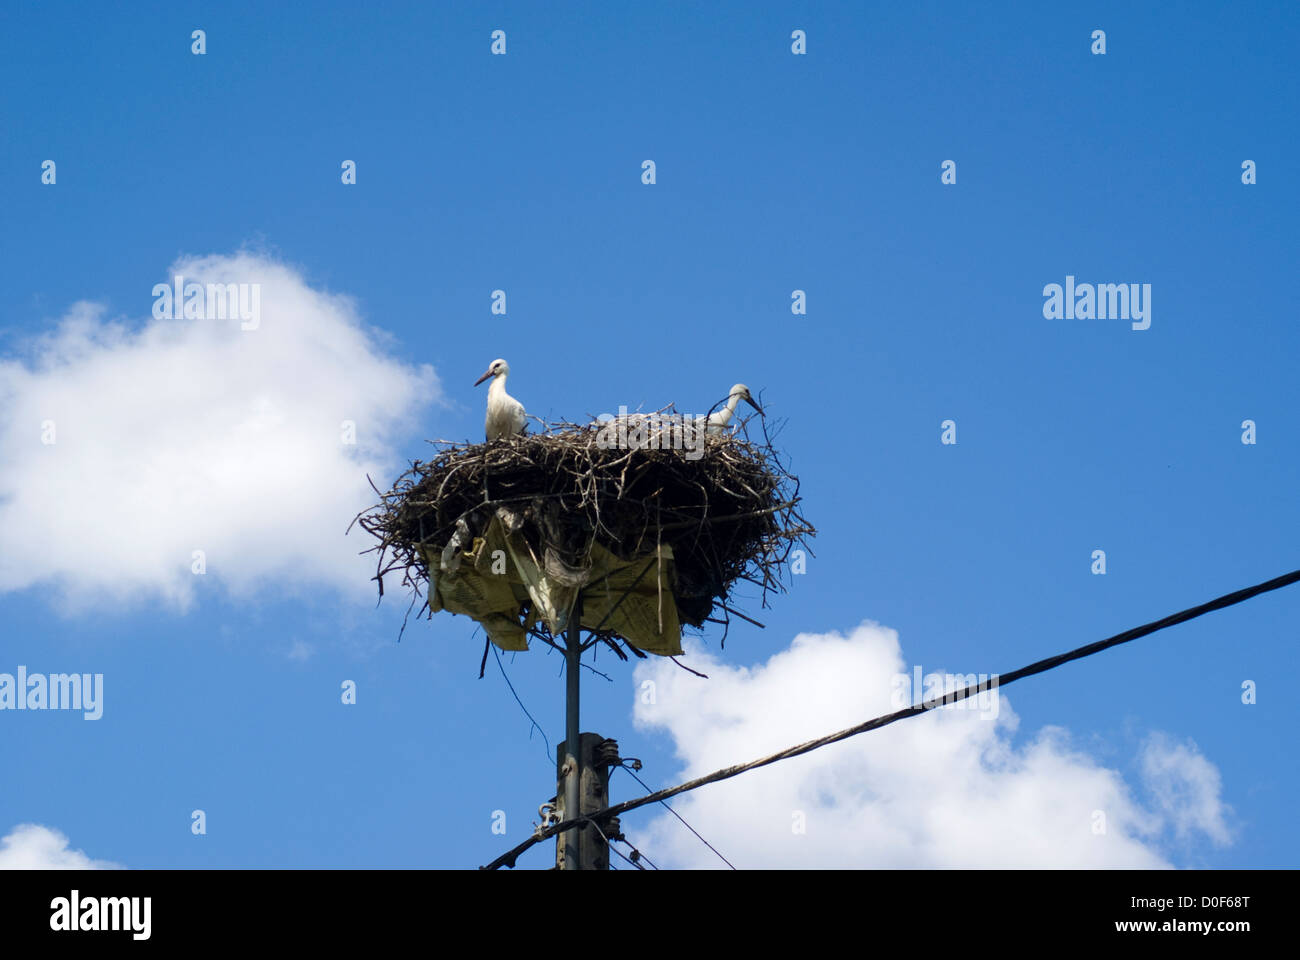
(522, 172)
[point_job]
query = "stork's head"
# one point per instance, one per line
(742, 391)
(497, 368)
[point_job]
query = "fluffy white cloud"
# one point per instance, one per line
(176, 435)
(30, 846)
(1187, 788)
(945, 790)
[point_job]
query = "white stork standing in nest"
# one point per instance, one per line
(505, 414)
(717, 422)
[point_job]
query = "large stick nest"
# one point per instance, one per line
(729, 509)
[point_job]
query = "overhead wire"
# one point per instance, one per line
(1227, 600)
(535, 724)
(624, 766)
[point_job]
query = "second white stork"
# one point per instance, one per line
(717, 422)
(505, 414)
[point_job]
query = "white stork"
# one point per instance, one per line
(717, 422)
(505, 414)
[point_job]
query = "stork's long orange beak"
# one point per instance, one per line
(484, 377)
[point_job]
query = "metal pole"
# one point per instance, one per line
(573, 736)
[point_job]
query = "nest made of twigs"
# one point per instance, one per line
(729, 509)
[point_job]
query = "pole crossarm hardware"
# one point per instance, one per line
(600, 816)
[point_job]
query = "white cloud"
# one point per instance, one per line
(1187, 788)
(300, 650)
(945, 790)
(173, 436)
(30, 846)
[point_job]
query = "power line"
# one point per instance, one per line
(534, 723)
(625, 857)
(1042, 666)
(624, 766)
(637, 855)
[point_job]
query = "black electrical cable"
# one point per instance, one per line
(1227, 600)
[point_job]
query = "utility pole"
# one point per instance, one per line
(582, 766)
(571, 769)
(595, 757)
